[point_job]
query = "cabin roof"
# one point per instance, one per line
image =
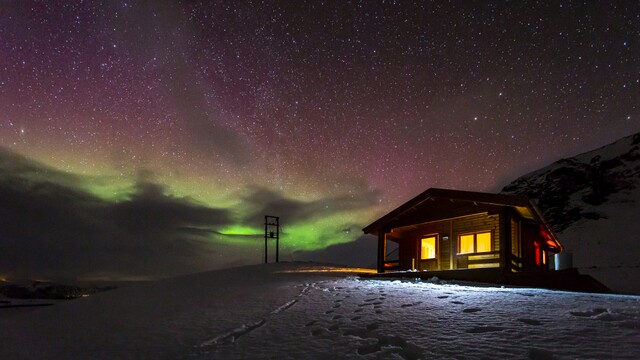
(440, 197)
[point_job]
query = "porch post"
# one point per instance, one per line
(453, 243)
(381, 249)
(505, 239)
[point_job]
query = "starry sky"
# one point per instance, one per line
(176, 126)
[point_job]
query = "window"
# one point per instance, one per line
(428, 248)
(467, 244)
(475, 243)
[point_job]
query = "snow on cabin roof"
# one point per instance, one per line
(522, 205)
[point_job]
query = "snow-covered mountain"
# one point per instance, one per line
(592, 201)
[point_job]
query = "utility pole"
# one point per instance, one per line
(271, 231)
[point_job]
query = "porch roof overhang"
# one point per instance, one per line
(440, 204)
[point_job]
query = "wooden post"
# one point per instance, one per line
(505, 239)
(381, 250)
(277, 238)
(266, 228)
(452, 241)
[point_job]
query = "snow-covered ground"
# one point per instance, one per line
(261, 312)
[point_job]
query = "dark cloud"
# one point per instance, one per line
(205, 122)
(361, 252)
(206, 129)
(51, 228)
(263, 201)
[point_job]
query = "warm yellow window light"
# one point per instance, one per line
(466, 244)
(428, 248)
(475, 243)
(483, 242)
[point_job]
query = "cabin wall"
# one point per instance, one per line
(448, 232)
(532, 248)
(473, 224)
(515, 262)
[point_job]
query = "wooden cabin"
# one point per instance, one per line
(449, 230)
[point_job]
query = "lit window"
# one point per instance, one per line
(466, 244)
(475, 243)
(483, 242)
(428, 248)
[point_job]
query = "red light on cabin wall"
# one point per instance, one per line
(548, 240)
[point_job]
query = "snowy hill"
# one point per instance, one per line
(592, 201)
(277, 312)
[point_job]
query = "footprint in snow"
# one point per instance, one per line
(412, 304)
(529, 295)
(369, 349)
(390, 346)
(357, 310)
(373, 326)
(443, 296)
(356, 318)
(457, 302)
(590, 313)
(484, 329)
(328, 312)
(530, 321)
(471, 310)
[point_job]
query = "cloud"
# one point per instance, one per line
(361, 252)
(52, 228)
(200, 116)
(261, 201)
(204, 123)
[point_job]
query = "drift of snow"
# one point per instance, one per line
(262, 312)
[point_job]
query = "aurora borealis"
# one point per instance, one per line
(158, 134)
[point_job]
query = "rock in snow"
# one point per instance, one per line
(261, 312)
(592, 201)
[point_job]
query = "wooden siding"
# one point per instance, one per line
(478, 223)
(515, 263)
(408, 238)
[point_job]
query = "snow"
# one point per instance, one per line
(592, 201)
(264, 312)
(608, 248)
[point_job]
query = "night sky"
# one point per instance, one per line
(150, 138)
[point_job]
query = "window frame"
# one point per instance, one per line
(475, 242)
(435, 236)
